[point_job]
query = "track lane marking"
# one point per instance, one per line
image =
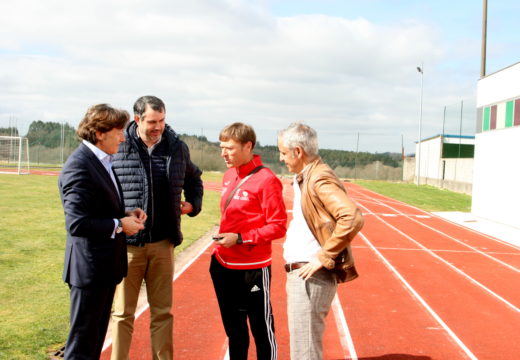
(514, 246)
(511, 267)
(344, 333)
(226, 347)
(475, 282)
(420, 299)
(397, 202)
(436, 250)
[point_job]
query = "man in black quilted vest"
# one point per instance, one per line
(154, 168)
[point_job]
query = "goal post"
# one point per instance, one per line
(14, 155)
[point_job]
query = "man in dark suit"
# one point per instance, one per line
(96, 223)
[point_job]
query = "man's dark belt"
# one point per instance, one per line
(293, 266)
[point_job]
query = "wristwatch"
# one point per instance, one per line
(119, 228)
(239, 239)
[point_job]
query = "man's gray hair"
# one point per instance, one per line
(298, 134)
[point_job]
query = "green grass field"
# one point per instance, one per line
(34, 301)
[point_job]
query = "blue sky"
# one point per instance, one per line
(344, 67)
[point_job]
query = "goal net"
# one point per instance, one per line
(14, 155)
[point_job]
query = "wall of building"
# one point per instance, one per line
(496, 176)
(431, 151)
(455, 186)
(409, 169)
(458, 170)
(499, 87)
(496, 173)
(455, 174)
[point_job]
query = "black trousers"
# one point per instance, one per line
(245, 295)
(89, 315)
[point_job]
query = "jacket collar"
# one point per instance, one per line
(245, 169)
(304, 174)
(100, 154)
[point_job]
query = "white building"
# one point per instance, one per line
(446, 162)
(496, 172)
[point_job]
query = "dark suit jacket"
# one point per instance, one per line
(90, 202)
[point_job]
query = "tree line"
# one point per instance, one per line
(9, 131)
(52, 134)
(335, 158)
(205, 153)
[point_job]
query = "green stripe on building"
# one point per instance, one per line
(509, 113)
(485, 123)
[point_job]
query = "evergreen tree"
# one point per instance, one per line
(48, 134)
(9, 131)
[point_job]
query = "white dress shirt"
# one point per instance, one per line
(300, 244)
(106, 160)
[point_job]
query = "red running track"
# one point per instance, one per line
(428, 289)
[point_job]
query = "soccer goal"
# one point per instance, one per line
(14, 155)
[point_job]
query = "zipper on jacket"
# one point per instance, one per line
(151, 199)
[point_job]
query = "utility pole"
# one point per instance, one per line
(355, 158)
(418, 158)
(484, 42)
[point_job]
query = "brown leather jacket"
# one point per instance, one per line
(332, 217)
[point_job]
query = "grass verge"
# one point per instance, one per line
(425, 197)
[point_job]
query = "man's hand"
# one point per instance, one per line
(227, 239)
(186, 207)
(139, 214)
(309, 269)
(132, 225)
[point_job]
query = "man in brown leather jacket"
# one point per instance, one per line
(317, 247)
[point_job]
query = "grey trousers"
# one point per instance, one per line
(308, 303)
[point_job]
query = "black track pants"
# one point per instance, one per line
(243, 295)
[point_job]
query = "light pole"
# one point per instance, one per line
(484, 41)
(420, 69)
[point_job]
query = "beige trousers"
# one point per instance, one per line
(152, 263)
(308, 303)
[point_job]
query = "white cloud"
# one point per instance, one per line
(215, 62)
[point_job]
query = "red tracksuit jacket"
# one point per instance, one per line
(256, 211)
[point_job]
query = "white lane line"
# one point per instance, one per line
(421, 300)
(224, 351)
(436, 250)
(226, 356)
(344, 334)
(179, 273)
(386, 200)
(397, 202)
(395, 215)
(511, 267)
(193, 259)
(503, 242)
(451, 266)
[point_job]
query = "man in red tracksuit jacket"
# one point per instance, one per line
(252, 216)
